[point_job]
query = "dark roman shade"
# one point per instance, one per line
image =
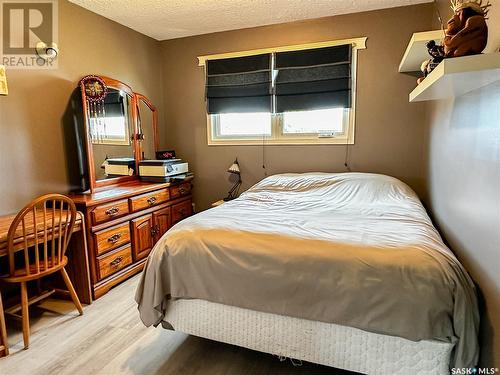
(114, 105)
(313, 79)
(241, 84)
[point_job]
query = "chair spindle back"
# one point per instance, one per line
(42, 230)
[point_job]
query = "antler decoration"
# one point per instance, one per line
(476, 5)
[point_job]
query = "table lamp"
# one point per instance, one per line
(234, 169)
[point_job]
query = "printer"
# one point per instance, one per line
(116, 167)
(163, 170)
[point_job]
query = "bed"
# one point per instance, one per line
(342, 269)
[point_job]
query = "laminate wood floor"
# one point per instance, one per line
(110, 339)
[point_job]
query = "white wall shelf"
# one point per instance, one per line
(416, 52)
(458, 76)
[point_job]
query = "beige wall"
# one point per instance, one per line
(463, 185)
(389, 131)
(32, 157)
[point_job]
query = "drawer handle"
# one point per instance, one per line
(182, 190)
(116, 262)
(151, 201)
(115, 237)
(112, 211)
(155, 230)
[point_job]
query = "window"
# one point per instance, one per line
(242, 125)
(110, 131)
(111, 126)
(291, 95)
(324, 126)
(321, 122)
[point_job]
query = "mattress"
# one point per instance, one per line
(323, 343)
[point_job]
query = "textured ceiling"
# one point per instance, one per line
(169, 19)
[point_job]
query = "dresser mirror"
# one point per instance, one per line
(147, 123)
(112, 133)
(119, 129)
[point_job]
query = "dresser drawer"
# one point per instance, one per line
(113, 262)
(148, 200)
(181, 211)
(109, 211)
(112, 238)
(180, 190)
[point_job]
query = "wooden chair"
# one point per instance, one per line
(4, 347)
(37, 242)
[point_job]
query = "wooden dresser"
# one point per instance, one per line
(123, 223)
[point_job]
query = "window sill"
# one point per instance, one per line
(282, 142)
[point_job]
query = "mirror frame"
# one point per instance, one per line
(113, 83)
(151, 106)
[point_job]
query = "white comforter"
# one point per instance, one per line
(350, 248)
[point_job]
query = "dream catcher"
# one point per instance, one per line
(95, 91)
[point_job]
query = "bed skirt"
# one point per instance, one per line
(317, 342)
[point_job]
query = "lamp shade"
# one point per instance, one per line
(234, 168)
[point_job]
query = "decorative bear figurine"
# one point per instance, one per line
(466, 32)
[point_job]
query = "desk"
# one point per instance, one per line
(78, 266)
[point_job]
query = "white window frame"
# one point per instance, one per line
(108, 139)
(213, 128)
(277, 137)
